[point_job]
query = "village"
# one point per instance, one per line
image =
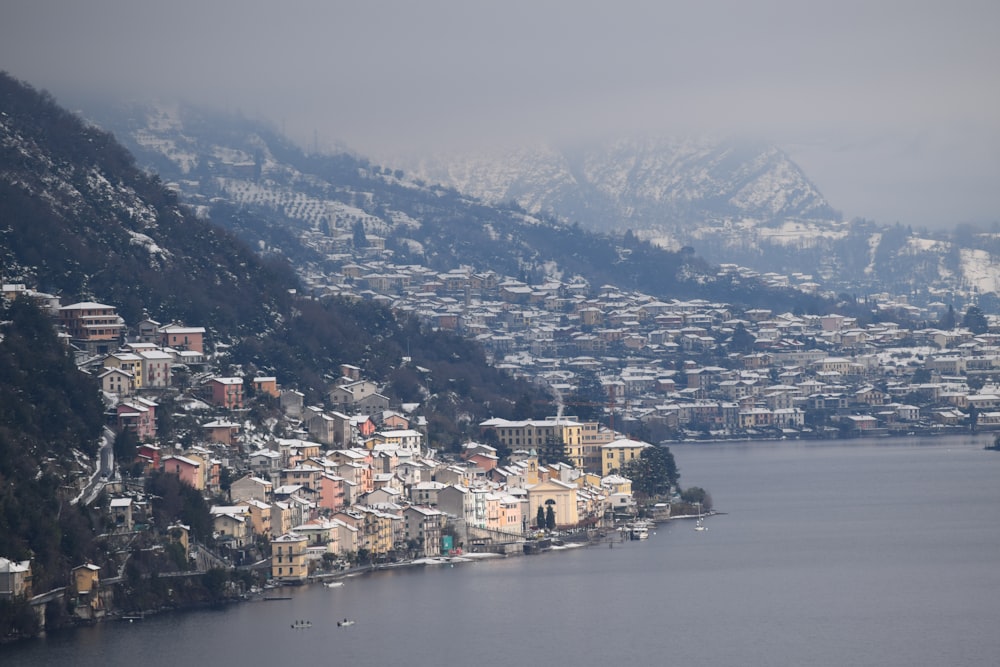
(315, 489)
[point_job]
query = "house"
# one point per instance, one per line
(221, 431)
(231, 525)
(260, 517)
(426, 493)
(117, 381)
(265, 463)
(227, 392)
(149, 455)
(250, 487)
(615, 455)
(292, 402)
(129, 362)
(15, 579)
(188, 470)
(180, 533)
(139, 417)
(406, 440)
(266, 385)
(85, 582)
(179, 337)
(94, 327)
(288, 558)
(156, 368)
(422, 527)
(121, 513)
(346, 396)
(333, 492)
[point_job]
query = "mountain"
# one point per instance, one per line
(315, 210)
(734, 202)
(665, 184)
(84, 222)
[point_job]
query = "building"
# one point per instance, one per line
(554, 434)
(183, 338)
(15, 578)
(560, 496)
(615, 455)
(188, 470)
(139, 417)
(94, 327)
(288, 558)
(422, 527)
(227, 392)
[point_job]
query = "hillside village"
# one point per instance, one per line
(296, 490)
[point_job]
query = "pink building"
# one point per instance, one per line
(227, 392)
(183, 338)
(188, 470)
(332, 492)
(138, 416)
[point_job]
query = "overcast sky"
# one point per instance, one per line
(892, 108)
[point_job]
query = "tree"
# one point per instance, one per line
(125, 446)
(948, 320)
(587, 402)
(742, 340)
(653, 473)
(695, 495)
(975, 321)
(540, 517)
(550, 515)
(360, 239)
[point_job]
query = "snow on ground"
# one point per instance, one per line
(979, 270)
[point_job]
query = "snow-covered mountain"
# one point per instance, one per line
(734, 202)
(668, 185)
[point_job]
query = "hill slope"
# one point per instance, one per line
(84, 222)
(311, 208)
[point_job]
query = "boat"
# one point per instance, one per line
(700, 523)
(301, 625)
(638, 530)
(333, 584)
(344, 623)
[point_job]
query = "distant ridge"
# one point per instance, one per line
(640, 184)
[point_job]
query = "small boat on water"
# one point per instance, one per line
(700, 523)
(344, 623)
(333, 584)
(301, 625)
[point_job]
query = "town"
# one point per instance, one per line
(300, 491)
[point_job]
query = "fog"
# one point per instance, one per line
(891, 107)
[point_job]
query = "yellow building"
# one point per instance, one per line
(560, 496)
(86, 582)
(128, 362)
(615, 455)
(288, 558)
(562, 433)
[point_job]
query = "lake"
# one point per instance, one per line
(861, 552)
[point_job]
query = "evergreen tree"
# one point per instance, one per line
(540, 517)
(948, 320)
(653, 473)
(550, 518)
(742, 340)
(975, 321)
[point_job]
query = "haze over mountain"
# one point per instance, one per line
(889, 108)
(663, 184)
